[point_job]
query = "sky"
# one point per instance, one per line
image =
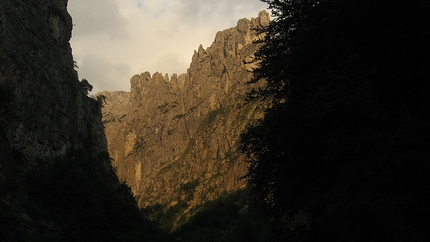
(113, 40)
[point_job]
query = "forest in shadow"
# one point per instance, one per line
(342, 153)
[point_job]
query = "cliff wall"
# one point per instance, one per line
(44, 111)
(174, 140)
(56, 180)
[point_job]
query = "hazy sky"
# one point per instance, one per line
(115, 39)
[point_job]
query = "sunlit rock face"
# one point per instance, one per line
(176, 139)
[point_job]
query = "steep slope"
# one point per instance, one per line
(175, 140)
(37, 73)
(56, 180)
(44, 113)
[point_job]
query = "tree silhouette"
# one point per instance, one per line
(345, 140)
(86, 86)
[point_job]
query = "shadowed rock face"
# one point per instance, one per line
(43, 113)
(175, 140)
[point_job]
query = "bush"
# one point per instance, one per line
(75, 197)
(86, 87)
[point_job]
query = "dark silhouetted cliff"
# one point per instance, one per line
(56, 180)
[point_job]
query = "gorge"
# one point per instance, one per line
(326, 115)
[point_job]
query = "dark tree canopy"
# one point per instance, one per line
(86, 86)
(345, 144)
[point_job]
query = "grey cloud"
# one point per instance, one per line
(170, 63)
(95, 17)
(104, 75)
(196, 11)
(216, 11)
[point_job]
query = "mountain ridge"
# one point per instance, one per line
(174, 140)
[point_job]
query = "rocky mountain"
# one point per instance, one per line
(56, 180)
(174, 140)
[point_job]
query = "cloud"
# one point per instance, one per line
(115, 39)
(97, 17)
(171, 61)
(103, 74)
(217, 12)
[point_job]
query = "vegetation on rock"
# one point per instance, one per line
(86, 87)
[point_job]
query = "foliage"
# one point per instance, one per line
(179, 116)
(189, 148)
(168, 217)
(164, 108)
(86, 87)
(210, 118)
(345, 138)
(140, 144)
(165, 216)
(187, 189)
(75, 65)
(231, 217)
(73, 199)
(228, 218)
(101, 99)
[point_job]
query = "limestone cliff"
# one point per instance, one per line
(174, 140)
(47, 113)
(56, 181)
(43, 112)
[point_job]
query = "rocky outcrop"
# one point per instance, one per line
(176, 139)
(46, 119)
(47, 113)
